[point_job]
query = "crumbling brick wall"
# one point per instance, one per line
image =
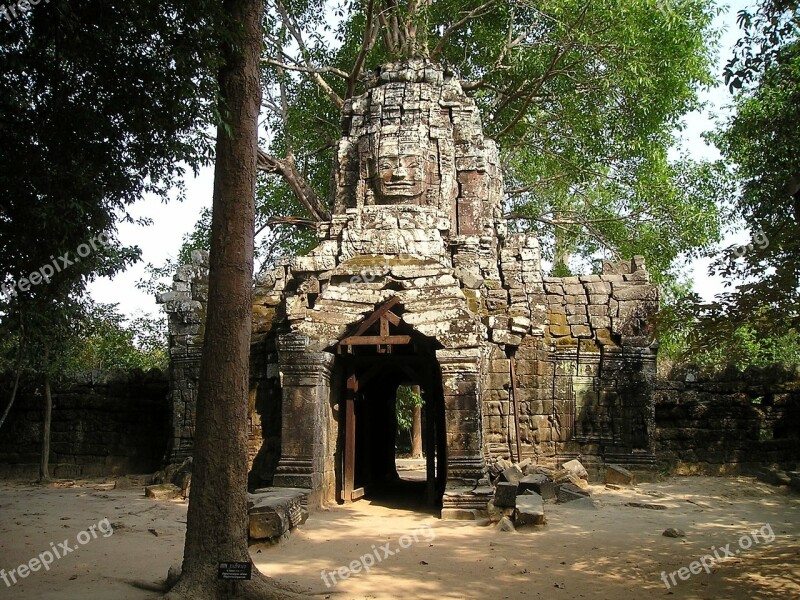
(116, 424)
(730, 423)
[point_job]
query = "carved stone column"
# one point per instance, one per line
(464, 497)
(305, 384)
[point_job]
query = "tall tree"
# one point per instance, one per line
(755, 321)
(217, 519)
(103, 101)
(760, 142)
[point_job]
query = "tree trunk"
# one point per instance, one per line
(13, 397)
(416, 428)
(16, 384)
(216, 529)
(44, 465)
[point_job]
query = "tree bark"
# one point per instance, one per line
(16, 382)
(416, 428)
(216, 529)
(13, 397)
(44, 464)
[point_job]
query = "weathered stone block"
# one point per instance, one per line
(506, 337)
(461, 514)
(576, 468)
(599, 299)
(597, 310)
(163, 491)
(568, 492)
(274, 511)
(529, 510)
(618, 475)
(600, 322)
(505, 524)
(634, 292)
(538, 483)
(601, 287)
(505, 494)
(512, 474)
(581, 331)
(579, 318)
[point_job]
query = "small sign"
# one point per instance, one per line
(234, 571)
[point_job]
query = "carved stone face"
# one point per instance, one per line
(400, 170)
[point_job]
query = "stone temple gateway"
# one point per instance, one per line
(417, 280)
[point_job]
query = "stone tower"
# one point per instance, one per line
(416, 280)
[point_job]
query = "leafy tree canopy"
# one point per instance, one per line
(756, 320)
(102, 102)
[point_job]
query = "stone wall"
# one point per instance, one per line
(728, 424)
(582, 378)
(115, 425)
(185, 305)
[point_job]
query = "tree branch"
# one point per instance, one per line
(371, 31)
(304, 193)
(291, 26)
(475, 12)
(308, 70)
(298, 221)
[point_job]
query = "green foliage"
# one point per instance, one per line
(103, 101)
(560, 269)
(74, 339)
(756, 321)
(407, 399)
(760, 140)
(107, 342)
(741, 347)
(766, 29)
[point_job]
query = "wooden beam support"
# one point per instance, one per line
(376, 315)
(376, 340)
(515, 400)
(349, 448)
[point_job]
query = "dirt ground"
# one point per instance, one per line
(602, 550)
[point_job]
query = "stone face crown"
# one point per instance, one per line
(415, 138)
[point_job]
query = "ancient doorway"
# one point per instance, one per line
(382, 354)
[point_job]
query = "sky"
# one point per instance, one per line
(172, 220)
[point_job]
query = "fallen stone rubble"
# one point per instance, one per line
(521, 490)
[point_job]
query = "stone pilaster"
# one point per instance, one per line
(464, 438)
(185, 305)
(305, 382)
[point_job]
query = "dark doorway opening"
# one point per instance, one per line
(374, 367)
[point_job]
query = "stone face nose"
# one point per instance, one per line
(399, 173)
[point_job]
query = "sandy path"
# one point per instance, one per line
(612, 551)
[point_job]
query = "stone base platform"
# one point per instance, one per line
(466, 504)
(274, 511)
